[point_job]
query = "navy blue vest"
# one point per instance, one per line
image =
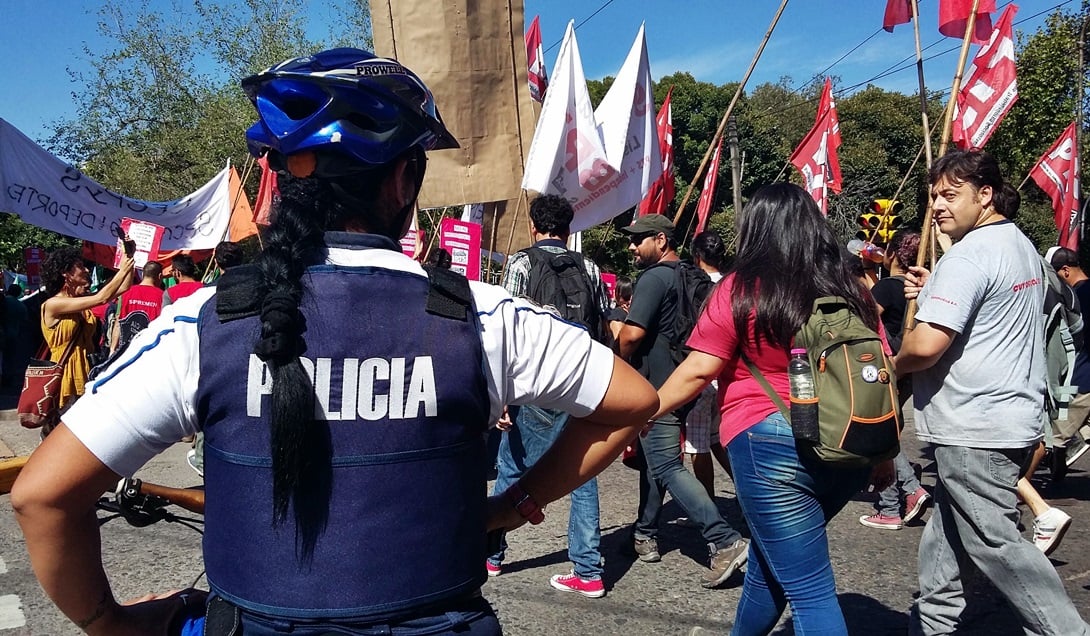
(403, 395)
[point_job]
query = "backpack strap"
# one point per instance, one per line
(769, 391)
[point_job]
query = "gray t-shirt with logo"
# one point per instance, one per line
(987, 390)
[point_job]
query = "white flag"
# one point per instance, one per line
(626, 121)
(568, 155)
(473, 213)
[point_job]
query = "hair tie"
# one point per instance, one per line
(282, 327)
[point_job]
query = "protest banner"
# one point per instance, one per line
(147, 236)
(46, 192)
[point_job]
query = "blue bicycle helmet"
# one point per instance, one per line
(352, 109)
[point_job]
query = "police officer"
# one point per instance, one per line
(343, 392)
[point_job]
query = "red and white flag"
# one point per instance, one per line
(992, 87)
(897, 12)
(535, 59)
(707, 194)
(1057, 173)
(826, 106)
(816, 157)
(662, 190)
(954, 17)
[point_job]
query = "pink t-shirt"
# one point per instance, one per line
(742, 401)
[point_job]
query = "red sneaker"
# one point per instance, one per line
(492, 568)
(882, 522)
(916, 503)
(592, 588)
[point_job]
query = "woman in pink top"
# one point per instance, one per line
(787, 256)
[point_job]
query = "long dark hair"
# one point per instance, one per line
(786, 257)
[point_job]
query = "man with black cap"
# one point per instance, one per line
(1070, 444)
(645, 342)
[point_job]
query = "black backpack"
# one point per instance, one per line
(559, 281)
(692, 286)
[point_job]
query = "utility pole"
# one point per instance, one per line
(735, 165)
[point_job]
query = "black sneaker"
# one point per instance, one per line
(725, 562)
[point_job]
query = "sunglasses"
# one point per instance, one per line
(640, 238)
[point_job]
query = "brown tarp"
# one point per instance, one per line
(471, 54)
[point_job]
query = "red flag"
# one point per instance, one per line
(827, 106)
(954, 17)
(897, 12)
(662, 190)
(535, 59)
(267, 192)
(992, 87)
(708, 192)
(1057, 173)
(816, 157)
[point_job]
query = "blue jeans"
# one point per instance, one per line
(975, 525)
(787, 500)
(665, 473)
(534, 432)
(889, 500)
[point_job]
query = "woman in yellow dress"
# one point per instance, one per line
(66, 314)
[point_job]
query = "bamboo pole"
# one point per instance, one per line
(926, 232)
(511, 236)
(1080, 84)
(925, 125)
(492, 239)
(730, 109)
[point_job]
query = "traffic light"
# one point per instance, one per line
(880, 220)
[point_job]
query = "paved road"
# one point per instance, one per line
(876, 570)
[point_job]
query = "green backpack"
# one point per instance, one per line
(859, 415)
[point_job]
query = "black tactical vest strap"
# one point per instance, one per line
(448, 294)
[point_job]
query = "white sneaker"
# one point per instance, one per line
(1049, 529)
(1077, 450)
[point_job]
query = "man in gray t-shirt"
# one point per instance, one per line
(977, 359)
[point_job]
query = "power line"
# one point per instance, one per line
(585, 20)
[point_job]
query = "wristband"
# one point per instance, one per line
(526, 506)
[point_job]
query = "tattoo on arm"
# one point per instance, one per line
(100, 611)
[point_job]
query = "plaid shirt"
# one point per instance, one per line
(516, 282)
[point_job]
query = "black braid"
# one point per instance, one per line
(294, 241)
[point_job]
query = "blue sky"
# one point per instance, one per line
(712, 39)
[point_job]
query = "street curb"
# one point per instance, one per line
(7, 415)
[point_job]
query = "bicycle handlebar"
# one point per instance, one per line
(191, 499)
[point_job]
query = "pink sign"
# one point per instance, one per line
(610, 281)
(34, 257)
(463, 240)
(412, 243)
(147, 236)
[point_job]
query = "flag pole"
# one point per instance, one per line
(923, 87)
(1078, 120)
(919, 153)
(730, 109)
(927, 231)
